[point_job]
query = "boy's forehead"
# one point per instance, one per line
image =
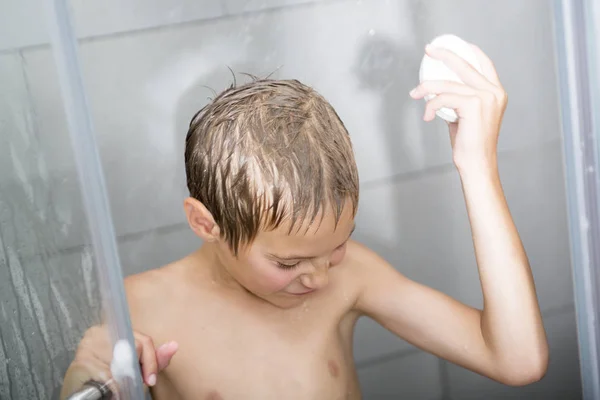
(324, 227)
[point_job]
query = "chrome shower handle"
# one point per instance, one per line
(93, 390)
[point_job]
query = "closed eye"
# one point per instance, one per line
(288, 266)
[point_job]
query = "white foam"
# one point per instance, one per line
(435, 70)
(123, 361)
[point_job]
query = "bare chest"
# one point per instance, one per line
(305, 356)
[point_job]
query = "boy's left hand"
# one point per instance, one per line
(479, 103)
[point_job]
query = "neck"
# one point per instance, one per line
(215, 268)
(209, 257)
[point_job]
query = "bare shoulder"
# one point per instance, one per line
(151, 294)
(363, 267)
(361, 261)
(371, 275)
(144, 287)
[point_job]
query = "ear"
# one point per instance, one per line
(201, 220)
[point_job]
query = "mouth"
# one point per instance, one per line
(303, 293)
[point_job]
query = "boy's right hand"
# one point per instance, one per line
(94, 355)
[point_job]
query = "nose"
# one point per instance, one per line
(319, 278)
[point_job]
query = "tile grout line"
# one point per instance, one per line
(371, 361)
(413, 175)
(128, 237)
(171, 25)
(401, 177)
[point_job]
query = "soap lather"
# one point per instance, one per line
(435, 70)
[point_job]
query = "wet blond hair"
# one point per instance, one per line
(266, 152)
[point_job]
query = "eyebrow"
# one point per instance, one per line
(301, 257)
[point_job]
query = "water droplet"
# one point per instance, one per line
(371, 32)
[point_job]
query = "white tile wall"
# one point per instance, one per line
(42, 201)
(143, 89)
(241, 6)
(415, 377)
(146, 183)
(76, 293)
(372, 341)
(518, 37)
(363, 57)
(23, 22)
(93, 18)
(156, 248)
(534, 184)
(561, 382)
(14, 115)
(421, 226)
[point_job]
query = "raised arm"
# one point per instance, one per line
(506, 340)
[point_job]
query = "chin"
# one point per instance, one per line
(285, 301)
(279, 297)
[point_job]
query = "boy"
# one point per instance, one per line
(265, 309)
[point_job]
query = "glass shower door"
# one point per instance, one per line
(578, 59)
(51, 287)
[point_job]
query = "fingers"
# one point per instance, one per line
(445, 94)
(460, 66)
(165, 353)
(153, 360)
(94, 354)
(147, 356)
(487, 66)
(457, 96)
(439, 87)
(460, 103)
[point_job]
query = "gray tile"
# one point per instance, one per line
(536, 194)
(15, 115)
(421, 226)
(113, 16)
(23, 22)
(518, 37)
(371, 341)
(40, 201)
(241, 6)
(362, 56)
(48, 301)
(416, 376)
(156, 248)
